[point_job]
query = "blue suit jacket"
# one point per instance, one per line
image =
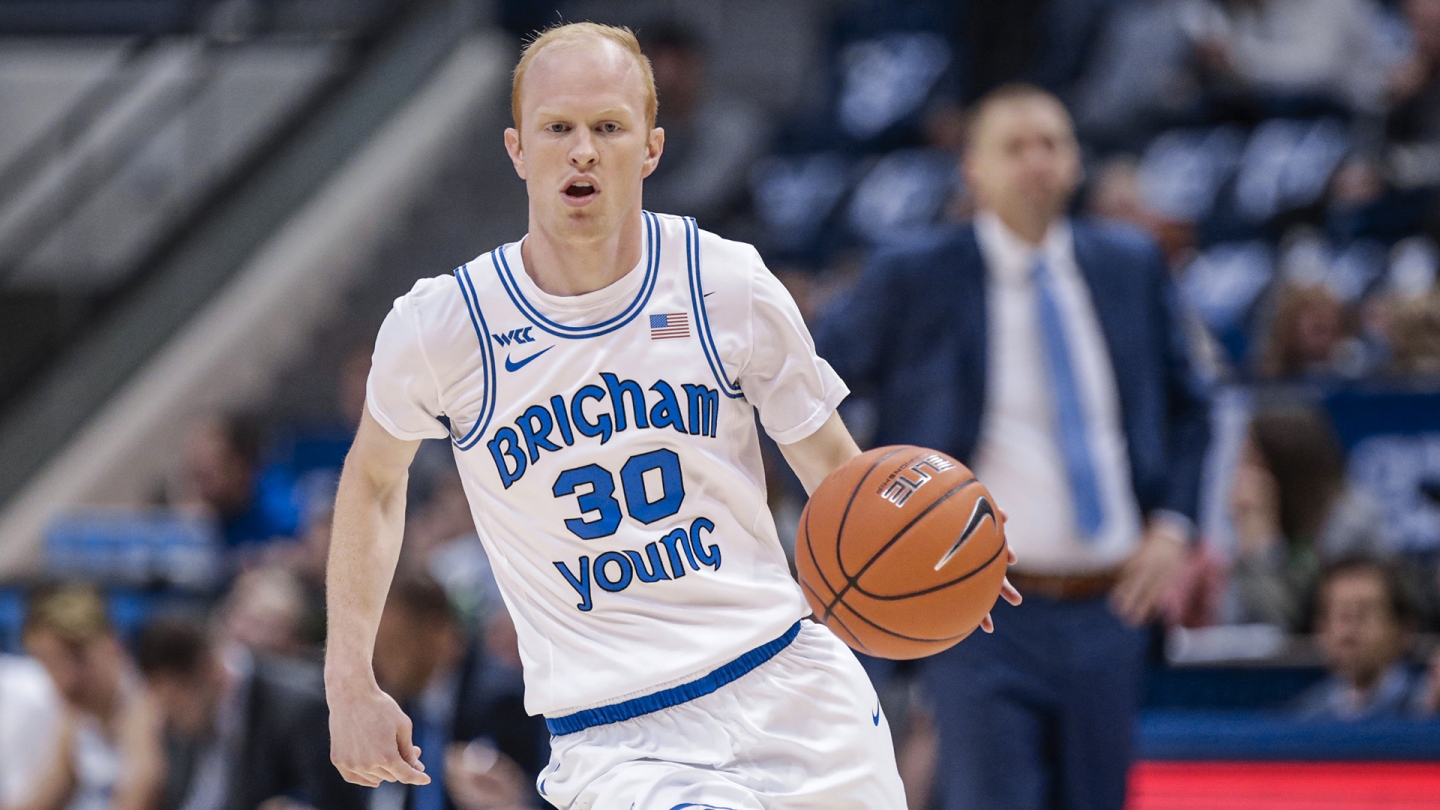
(912, 335)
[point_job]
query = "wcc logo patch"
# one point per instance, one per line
(515, 336)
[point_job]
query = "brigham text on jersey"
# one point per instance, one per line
(600, 412)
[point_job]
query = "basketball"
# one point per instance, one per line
(900, 552)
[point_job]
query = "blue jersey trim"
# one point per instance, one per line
(487, 359)
(702, 318)
(674, 696)
(652, 247)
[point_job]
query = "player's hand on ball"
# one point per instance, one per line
(370, 739)
(1007, 591)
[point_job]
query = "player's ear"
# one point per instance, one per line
(654, 145)
(512, 146)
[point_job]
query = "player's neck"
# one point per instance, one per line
(564, 264)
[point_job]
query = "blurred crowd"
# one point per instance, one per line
(1285, 154)
(210, 696)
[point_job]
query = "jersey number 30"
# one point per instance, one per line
(600, 499)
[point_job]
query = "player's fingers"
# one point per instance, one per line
(1009, 594)
(1003, 517)
(358, 777)
(407, 749)
(987, 624)
(1010, 558)
(398, 770)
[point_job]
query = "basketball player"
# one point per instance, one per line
(599, 380)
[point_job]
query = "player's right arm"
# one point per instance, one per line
(369, 734)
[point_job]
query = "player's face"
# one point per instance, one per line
(583, 145)
(1024, 158)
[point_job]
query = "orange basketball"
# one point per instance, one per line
(900, 552)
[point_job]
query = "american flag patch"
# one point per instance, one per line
(671, 325)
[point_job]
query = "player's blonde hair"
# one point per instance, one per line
(572, 33)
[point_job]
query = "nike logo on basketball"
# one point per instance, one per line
(982, 510)
(511, 365)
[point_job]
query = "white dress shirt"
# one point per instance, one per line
(30, 718)
(1018, 457)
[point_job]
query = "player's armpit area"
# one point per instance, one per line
(821, 453)
(377, 454)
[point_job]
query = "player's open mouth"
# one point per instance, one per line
(580, 190)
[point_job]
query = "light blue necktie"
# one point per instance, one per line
(1070, 425)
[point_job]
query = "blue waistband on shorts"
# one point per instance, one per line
(675, 695)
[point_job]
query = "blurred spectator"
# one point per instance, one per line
(462, 567)
(711, 139)
(266, 613)
(1414, 331)
(1040, 41)
(30, 720)
(1415, 82)
(350, 387)
(1291, 56)
(1139, 78)
(440, 518)
(1306, 333)
(110, 755)
(1116, 194)
(479, 747)
(1363, 624)
(221, 464)
(1292, 512)
(239, 729)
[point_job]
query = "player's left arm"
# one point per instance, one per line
(821, 453)
(824, 451)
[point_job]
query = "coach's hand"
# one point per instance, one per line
(1149, 574)
(370, 737)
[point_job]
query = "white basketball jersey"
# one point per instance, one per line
(607, 443)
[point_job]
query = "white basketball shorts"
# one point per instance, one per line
(802, 730)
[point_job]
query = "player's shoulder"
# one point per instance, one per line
(448, 300)
(726, 271)
(438, 315)
(434, 295)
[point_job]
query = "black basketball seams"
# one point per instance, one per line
(935, 588)
(845, 516)
(840, 532)
(852, 581)
(887, 631)
(809, 547)
(842, 624)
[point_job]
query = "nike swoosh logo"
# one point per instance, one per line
(875, 717)
(511, 365)
(707, 295)
(982, 510)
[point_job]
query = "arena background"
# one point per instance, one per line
(206, 209)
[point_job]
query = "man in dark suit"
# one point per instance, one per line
(240, 729)
(1049, 355)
